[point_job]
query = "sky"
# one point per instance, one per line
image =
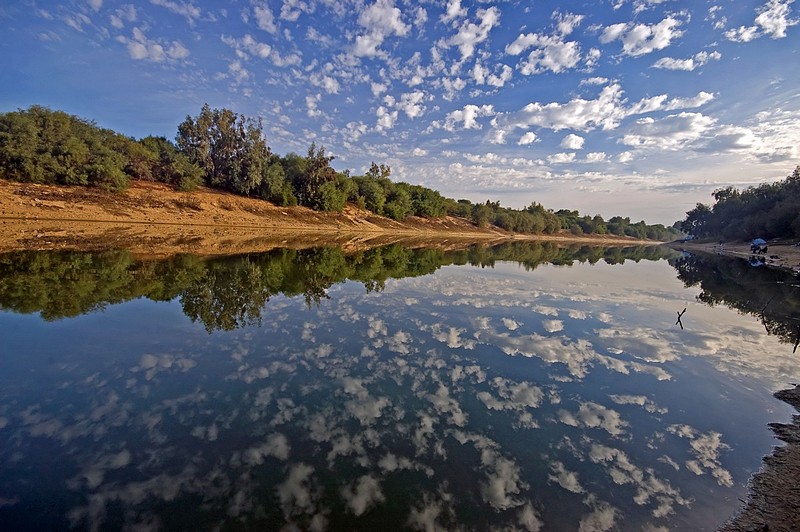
(638, 108)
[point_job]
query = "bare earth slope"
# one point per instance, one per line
(153, 219)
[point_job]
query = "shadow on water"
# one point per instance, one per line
(231, 292)
(769, 294)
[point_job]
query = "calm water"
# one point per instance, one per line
(391, 389)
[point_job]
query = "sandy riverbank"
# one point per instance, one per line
(152, 219)
(780, 254)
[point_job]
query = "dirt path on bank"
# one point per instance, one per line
(153, 219)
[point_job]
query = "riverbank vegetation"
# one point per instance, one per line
(769, 210)
(227, 151)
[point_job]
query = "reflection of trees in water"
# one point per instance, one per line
(770, 294)
(231, 292)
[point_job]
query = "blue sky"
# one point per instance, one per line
(633, 107)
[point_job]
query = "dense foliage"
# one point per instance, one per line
(43, 146)
(770, 210)
(225, 150)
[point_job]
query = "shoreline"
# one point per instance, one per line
(155, 220)
(773, 502)
(780, 254)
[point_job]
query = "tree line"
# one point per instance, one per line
(225, 150)
(769, 210)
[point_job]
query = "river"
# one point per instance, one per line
(523, 387)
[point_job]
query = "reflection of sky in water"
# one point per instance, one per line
(556, 398)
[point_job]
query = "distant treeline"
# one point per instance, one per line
(232, 292)
(770, 210)
(225, 150)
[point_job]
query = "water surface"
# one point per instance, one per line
(526, 387)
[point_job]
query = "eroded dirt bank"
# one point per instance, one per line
(152, 219)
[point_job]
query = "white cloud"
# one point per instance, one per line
(561, 158)
(362, 496)
(553, 326)
(572, 142)
(453, 11)
(292, 9)
(706, 449)
(594, 415)
(596, 157)
(606, 111)
(386, 118)
(411, 104)
(528, 138)
(265, 20)
(276, 445)
(550, 52)
(566, 479)
(184, 9)
(295, 492)
(142, 48)
(312, 102)
(125, 13)
(672, 132)
(773, 19)
(380, 20)
(466, 117)
(640, 39)
(696, 61)
(471, 35)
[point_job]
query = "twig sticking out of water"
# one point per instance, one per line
(680, 315)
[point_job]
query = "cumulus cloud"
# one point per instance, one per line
(265, 19)
(566, 479)
(773, 19)
(292, 9)
(706, 449)
(572, 142)
(561, 158)
(696, 61)
(649, 488)
(295, 493)
(276, 445)
(453, 11)
(363, 494)
(672, 132)
(641, 39)
(550, 52)
(594, 415)
(471, 34)
(142, 48)
(380, 20)
(466, 118)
